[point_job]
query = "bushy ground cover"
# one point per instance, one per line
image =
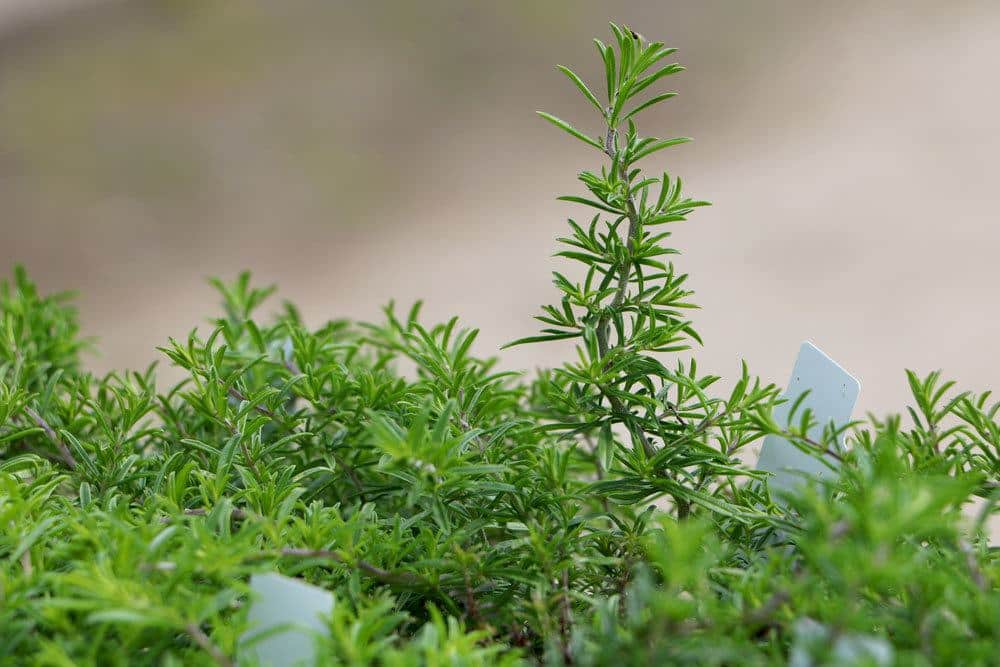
(596, 513)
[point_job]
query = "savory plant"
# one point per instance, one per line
(599, 513)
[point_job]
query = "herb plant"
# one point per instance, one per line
(599, 513)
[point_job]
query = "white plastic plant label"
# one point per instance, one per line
(833, 393)
(811, 639)
(285, 617)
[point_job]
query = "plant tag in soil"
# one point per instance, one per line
(832, 395)
(286, 615)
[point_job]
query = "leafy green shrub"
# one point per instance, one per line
(598, 513)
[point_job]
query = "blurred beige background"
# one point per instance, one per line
(356, 152)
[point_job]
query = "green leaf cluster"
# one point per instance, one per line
(598, 513)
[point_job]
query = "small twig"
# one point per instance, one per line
(763, 616)
(240, 396)
(249, 458)
(243, 446)
(623, 578)
(353, 474)
(292, 367)
(973, 565)
(463, 421)
(702, 426)
(609, 139)
(202, 640)
(41, 452)
(385, 576)
(672, 409)
(237, 514)
(827, 451)
(638, 435)
(634, 225)
(599, 467)
(67, 456)
(471, 608)
(566, 619)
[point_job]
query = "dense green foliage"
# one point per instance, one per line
(598, 513)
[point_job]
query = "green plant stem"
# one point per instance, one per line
(638, 435)
(67, 456)
(386, 576)
(203, 640)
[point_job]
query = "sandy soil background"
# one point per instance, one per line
(359, 152)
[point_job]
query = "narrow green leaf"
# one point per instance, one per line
(649, 103)
(542, 339)
(581, 86)
(659, 146)
(566, 127)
